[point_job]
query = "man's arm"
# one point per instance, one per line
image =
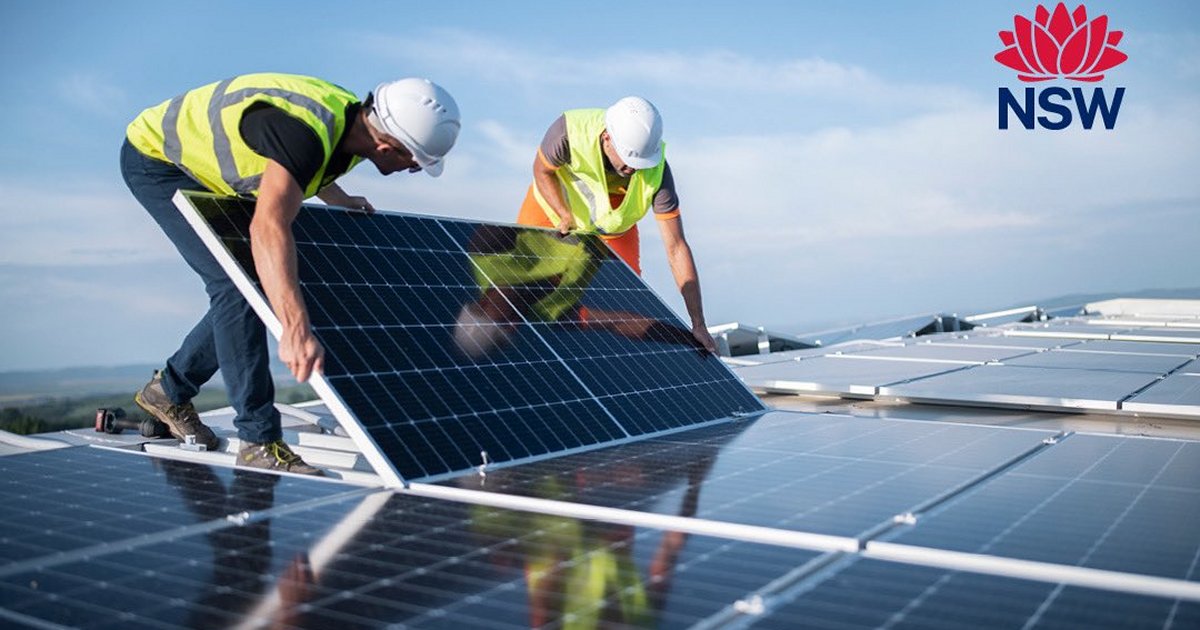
(274, 250)
(547, 184)
(683, 267)
(335, 196)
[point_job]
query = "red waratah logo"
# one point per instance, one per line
(1060, 45)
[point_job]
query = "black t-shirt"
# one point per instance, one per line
(276, 135)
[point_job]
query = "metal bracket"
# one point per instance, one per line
(189, 444)
(483, 467)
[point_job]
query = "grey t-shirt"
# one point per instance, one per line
(557, 151)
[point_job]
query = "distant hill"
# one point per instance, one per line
(22, 387)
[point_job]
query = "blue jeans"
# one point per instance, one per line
(229, 336)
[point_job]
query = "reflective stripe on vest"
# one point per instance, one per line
(535, 257)
(583, 183)
(198, 130)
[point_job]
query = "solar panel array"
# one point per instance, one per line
(91, 531)
(829, 477)
(247, 549)
(447, 339)
(1112, 365)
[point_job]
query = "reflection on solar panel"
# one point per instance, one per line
(260, 550)
(814, 473)
(942, 522)
(61, 501)
(448, 339)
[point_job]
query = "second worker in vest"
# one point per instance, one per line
(280, 138)
(600, 171)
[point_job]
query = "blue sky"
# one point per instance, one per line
(836, 162)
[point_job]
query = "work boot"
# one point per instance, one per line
(275, 455)
(182, 419)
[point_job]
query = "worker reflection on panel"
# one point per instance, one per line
(580, 574)
(541, 276)
(241, 554)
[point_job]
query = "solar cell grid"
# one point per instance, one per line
(66, 499)
(876, 594)
(801, 472)
(446, 339)
(1102, 502)
(403, 559)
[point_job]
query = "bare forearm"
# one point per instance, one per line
(334, 196)
(687, 280)
(547, 184)
(274, 251)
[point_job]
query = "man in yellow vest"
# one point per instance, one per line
(280, 138)
(600, 171)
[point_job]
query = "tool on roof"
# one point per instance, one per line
(112, 420)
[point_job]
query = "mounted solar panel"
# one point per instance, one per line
(452, 344)
(118, 540)
(1105, 502)
(824, 474)
(875, 594)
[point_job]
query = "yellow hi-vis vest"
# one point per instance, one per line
(536, 257)
(583, 184)
(198, 130)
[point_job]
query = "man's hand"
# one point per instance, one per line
(361, 204)
(301, 353)
(335, 196)
(566, 223)
(700, 332)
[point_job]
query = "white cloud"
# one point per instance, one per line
(93, 93)
(509, 148)
(76, 223)
(899, 208)
(708, 74)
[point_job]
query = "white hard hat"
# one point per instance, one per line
(422, 116)
(635, 128)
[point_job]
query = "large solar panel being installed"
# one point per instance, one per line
(448, 339)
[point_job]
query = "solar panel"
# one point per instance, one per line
(1181, 335)
(1088, 360)
(877, 594)
(76, 498)
(366, 558)
(1177, 394)
(949, 352)
(1143, 347)
(1104, 502)
(998, 338)
(448, 339)
(1027, 386)
(848, 374)
(815, 473)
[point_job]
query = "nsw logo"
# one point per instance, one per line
(1060, 45)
